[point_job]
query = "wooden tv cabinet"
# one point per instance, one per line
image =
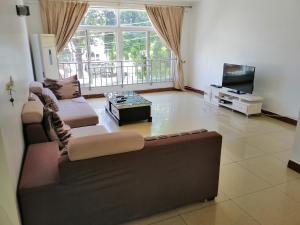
(247, 104)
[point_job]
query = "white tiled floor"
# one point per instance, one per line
(256, 187)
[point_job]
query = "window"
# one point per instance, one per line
(111, 43)
(100, 17)
(158, 50)
(134, 45)
(137, 18)
(102, 46)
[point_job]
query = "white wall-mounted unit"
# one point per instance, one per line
(245, 103)
(44, 56)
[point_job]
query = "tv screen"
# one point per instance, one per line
(239, 78)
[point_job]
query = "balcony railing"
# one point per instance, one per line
(119, 73)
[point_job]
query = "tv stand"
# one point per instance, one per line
(237, 92)
(247, 104)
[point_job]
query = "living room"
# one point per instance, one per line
(253, 185)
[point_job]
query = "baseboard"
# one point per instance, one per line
(279, 117)
(294, 166)
(139, 92)
(194, 90)
(156, 90)
(267, 113)
(94, 96)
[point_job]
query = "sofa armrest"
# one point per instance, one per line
(40, 166)
(35, 133)
(104, 144)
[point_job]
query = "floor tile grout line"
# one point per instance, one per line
(206, 206)
(286, 194)
(250, 193)
(251, 172)
(228, 200)
(246, 212)
(164, 219)
(253, 157)
(268, 182)
(184, 221)
(255, 174)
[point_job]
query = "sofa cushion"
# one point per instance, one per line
(32, 112)
(50, 99)
(56, 128)
(88, 131)
(64, 88)
(104, 144)
(77, 112)
(36, 88)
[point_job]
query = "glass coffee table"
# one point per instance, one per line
(128, 106)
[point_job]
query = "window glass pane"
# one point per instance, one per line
(134, 50)
(102, 46)
(160, 56)
(158, 50)
(134, 45)
(74, 57)
(134, 18)
(100, 17)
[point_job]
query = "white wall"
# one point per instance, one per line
(185, 42)
(34, 22)
(264, 34)
(15, 62)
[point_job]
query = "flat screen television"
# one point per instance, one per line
(238, 78)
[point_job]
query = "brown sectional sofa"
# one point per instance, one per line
(167, 173)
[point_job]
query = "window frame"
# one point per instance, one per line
(118, 29)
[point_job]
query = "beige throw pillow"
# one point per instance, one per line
(34, 97)
(36, 88)
(64, 88)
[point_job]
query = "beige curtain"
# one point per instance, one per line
(167, 21)
(62, 19)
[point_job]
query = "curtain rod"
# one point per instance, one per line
(128, 3)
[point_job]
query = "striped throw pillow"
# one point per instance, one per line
(56, 128)
(64, 88)
(50, 99)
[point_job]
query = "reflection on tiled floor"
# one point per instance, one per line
(255, 187)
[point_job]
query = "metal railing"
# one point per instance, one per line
(119, 73)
